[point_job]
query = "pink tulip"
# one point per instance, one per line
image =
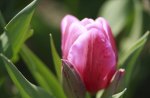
(89, 46)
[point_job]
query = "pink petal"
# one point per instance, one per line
(93, 57)
(86, 21)
(65, 24)
(74, 31)
(101, 60)
(78, 52)
(108, 31)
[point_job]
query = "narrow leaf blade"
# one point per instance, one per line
(131, 57)
(18, 26)
(118, 95)
(41, 73)
(2, 21)
(135, 30)
(56, 58)
(26, 88)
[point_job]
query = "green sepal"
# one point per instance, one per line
(72, 83)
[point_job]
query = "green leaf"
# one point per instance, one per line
(41, 73)
(18, 26)
(118, 95)
(136, 29)
(100, 93)
(56, 58)
(27, 89)
(88, 95)
(29, 33)
(130, 59)
(72, 83)
(2, 80)
(2, 21)
(116, 12)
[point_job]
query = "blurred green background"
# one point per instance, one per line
(129, 20)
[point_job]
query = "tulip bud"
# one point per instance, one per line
(89, 46)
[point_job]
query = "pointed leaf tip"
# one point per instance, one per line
(118, 95)
(17, 28)
(56, 58)
(130, 58)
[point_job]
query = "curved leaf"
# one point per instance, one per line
(41, 73)
(27, 89)
(118, 95)
(56, 58)
(17, 28)
(132, 55)
(135, 31)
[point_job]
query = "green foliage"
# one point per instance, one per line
(56, 58)
(2, 21)
(135, 29)
(15, 31)
(131, 57)
(119, 94)
(27, 89)
(43, 76)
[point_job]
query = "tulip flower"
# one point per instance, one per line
(90, 47)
